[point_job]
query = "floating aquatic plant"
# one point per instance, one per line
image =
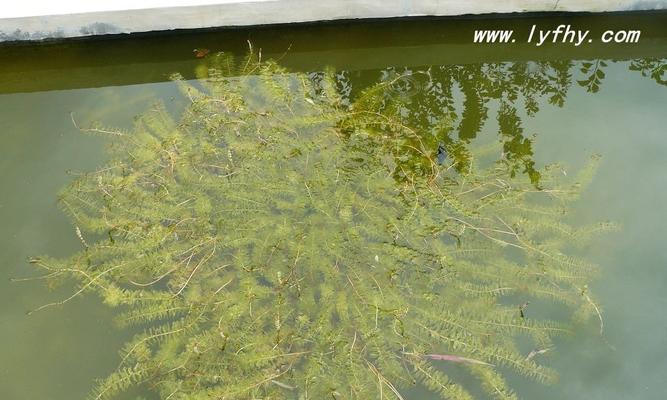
(278, 243)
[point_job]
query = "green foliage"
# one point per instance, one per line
(593, 81)
(653, 68)
(281, 244)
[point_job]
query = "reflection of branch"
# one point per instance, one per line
(653, 68)
(592, 83)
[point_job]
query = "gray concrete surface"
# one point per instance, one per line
(245, 13)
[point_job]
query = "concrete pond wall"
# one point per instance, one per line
(39, 20)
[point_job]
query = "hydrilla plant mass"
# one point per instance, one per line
(277, 242)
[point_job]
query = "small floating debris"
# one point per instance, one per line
(201, 53)
(522, 309)
(536, 352)
(442, 154)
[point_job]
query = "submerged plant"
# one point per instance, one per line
(281, 245)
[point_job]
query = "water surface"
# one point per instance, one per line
(56, 354)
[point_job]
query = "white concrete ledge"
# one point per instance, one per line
(263, 12)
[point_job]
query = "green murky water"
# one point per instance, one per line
(57, 353)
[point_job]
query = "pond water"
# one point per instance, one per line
(545, 105)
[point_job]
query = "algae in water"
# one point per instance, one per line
(279, 243)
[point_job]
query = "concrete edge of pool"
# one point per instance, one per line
(228, 13)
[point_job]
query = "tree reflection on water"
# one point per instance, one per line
(449, 104)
